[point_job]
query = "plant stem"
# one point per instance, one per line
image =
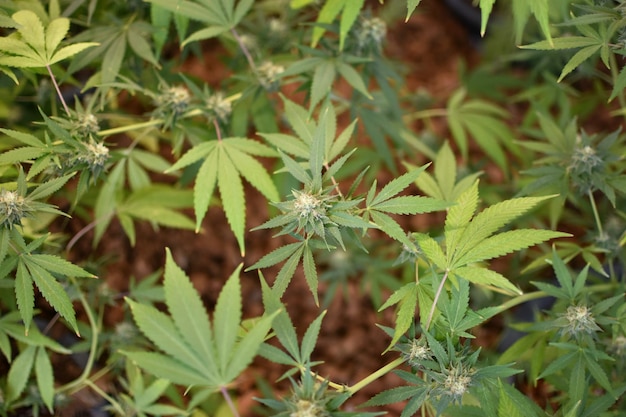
(229, 401)
(127, 128)
(56, 86)
(595, 213)
(92, 349)
(426, 114)
(374, 376)
(217, 130)
(106, 396)
(244, 49)
(437, 295)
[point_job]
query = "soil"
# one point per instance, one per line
(430, 45)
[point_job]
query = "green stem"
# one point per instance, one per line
(426, 114)
(374, 376)
(127, 128)
(92, 349)
(56, 87)
(437, 295)
(595, 213)
(106, 396)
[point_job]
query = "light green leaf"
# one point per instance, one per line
(459, 217)
(411, 5)
(253, 172)
(192, 155)
(32, 31)
(483, 276)
(58, 265)
(52, 291)
(405, 314)
(411, 205)
(19, 373)
(204, 187)
(287, 143)
(390, 227)
(161, 330)
(490, 220)
(485, 10)
(226, 320)
(248, 347)
(45, 377)
(431, 249)
(329, 12)
(188, 312)
(231, 193)
(287, 271)
(506, 242)
(49, 187)
(168, 368)
(206, 33)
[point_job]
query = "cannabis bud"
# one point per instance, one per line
(173, 100)
(371, 33)
(268, 75)
(95, 155)
(85, 125)
(13, 208)
(457, 381)
(218, 106)
(416, 351)
(578, 321)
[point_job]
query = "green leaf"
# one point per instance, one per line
(459, 217)
(52, 291)
(485, 276)
(276, 256)
(507, 242)
(45, 377)
(161, 330)
(396, 186)
(227, 318)
(204, 187)
(166, 367)
(19, 373)
(489, 221)
(323, 78)
(232, 196)
(485, 11)
(309, 340)
(248, 347)
(352, 77)
(577, 59)
(390, 227)
(188, 312)
(58, 265)
(568, 42)
(411, 205)
(411, 5)
(310, 273)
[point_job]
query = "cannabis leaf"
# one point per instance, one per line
(225, 162)
(349, 10)
(219, 15)
(196, 351)
(469, 240)
(34, 45)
